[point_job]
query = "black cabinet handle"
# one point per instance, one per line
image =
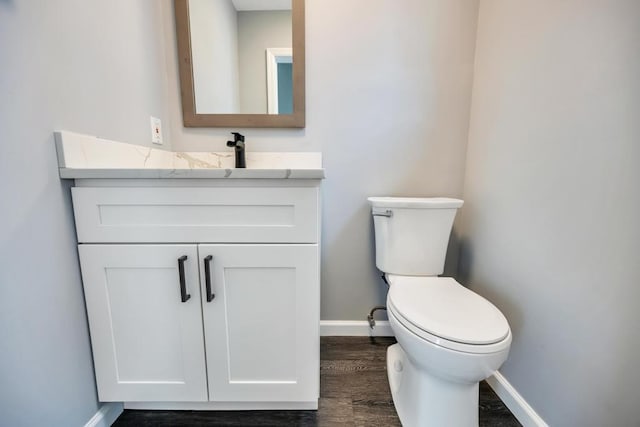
(184, 296)
(207, 277)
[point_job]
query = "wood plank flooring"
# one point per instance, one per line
(353, 392)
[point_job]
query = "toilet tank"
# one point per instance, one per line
(412, 234)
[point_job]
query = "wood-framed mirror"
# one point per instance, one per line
(236, 69)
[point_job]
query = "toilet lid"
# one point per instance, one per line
(446, 309)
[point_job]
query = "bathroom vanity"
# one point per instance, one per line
(201, 281)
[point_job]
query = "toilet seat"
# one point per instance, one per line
(440, 310)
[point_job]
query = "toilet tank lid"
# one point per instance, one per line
(415, 202)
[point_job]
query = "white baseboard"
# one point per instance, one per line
(354, 328)
(106, 415)
(515, 402)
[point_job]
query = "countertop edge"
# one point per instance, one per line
(80, 173)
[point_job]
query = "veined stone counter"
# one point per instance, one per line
(85, 156)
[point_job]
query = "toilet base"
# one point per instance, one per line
(424, 400)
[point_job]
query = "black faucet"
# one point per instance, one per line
(238, 145)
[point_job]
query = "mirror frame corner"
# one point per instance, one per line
(187, 94)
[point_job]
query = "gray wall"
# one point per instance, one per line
(550, 224)
(88, 67)
(388, 96)
(258, 31)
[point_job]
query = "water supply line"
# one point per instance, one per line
(370, 319)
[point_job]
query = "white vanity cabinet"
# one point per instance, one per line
(202, 297)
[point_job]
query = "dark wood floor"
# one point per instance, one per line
(353, 392)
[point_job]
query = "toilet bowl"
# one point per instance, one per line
(441, 354)
(449, 338)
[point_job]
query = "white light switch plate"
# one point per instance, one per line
(156, 130)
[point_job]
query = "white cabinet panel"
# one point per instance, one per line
(147, 343)
(176, 215)
(256, 299)
(261, 329)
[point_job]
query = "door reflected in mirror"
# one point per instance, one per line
(241, 62)
(279, 81)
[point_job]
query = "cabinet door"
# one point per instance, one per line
(262, 326)
(147, 343)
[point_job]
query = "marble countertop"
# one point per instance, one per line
(85, 156)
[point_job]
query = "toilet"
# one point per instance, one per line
(448, 337)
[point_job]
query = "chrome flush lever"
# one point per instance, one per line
(388, 213)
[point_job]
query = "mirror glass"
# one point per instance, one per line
(241, 52)
(241, 62)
